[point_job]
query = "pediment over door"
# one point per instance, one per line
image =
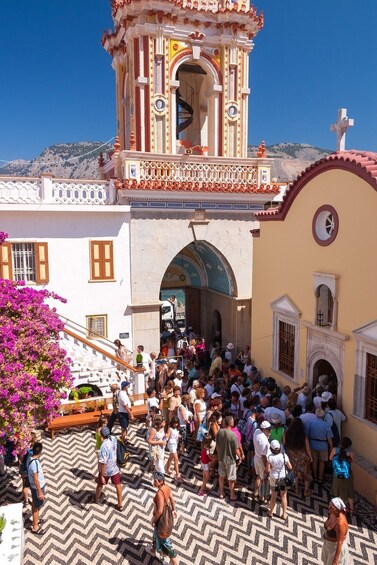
(368, 331)
(285, 305)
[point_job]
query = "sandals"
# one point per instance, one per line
(307, 492)
(38, 532)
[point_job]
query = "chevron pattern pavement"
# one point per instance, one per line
(209, 531)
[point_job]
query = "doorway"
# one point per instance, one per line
(324, 372)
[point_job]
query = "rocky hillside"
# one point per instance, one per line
(80, 160)
(65, 160)
(290, 158)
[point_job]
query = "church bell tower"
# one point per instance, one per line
(182, 79)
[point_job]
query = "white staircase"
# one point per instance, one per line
(93, 366)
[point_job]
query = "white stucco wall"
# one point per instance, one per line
(68, 235)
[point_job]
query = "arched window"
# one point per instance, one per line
(325, 306)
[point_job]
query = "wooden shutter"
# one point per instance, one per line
(41, 263)
(101, 260)
(6, 271)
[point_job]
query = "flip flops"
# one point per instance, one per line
(38, 532)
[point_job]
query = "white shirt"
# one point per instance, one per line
(124, 401)
(278, 470)
(338, 417)
(317, 402)
(153, 401)
(283, 401)
(261, 444)
(237, 388)
(302, 400)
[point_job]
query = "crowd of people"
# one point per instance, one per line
(218, 400)
(285, 437)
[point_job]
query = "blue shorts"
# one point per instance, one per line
(37, 502)
(123, 420)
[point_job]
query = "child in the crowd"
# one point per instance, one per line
(172, 438)
(205, 460)
(151, 400)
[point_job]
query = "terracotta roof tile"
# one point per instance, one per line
(195, 186)
(361, 163)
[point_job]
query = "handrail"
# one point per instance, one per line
(103, 352)
(84, 328)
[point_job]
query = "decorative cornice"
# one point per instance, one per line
(361, 163)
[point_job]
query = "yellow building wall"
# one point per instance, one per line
(285, 258)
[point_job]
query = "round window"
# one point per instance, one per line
(325, 225)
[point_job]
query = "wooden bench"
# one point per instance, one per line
(139, 404)
(91, 412)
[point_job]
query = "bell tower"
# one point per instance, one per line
(182, 76)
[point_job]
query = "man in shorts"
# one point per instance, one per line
(320, 440)
(37, 486)
(229, 455)
(262, 451)
(124, 409)
(108, 468)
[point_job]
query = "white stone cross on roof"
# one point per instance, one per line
(341, 126)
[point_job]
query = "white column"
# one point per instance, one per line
(174, 84)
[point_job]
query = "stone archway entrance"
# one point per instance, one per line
(203, 283)
(324, 371)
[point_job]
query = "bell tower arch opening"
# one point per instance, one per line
(194, 108)
(201, 280)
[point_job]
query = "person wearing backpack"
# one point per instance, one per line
(342, 486)
(334, 418)
(162, 521)
(108, 468)
(37, 486)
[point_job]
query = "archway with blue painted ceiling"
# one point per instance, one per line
(199, 281)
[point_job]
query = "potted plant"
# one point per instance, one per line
(3, 522)
(139, 360)
(74, 395)
(84, 391)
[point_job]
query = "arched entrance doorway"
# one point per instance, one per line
(201, 282)
(324, 373)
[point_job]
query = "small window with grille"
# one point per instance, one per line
(96, 326)
(24, 261)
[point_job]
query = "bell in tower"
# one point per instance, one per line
(182, 75)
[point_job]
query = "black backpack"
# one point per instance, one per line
(335, 432)
(122, 453)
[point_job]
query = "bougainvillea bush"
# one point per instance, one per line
(33, 367)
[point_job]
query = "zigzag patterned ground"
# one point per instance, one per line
(209, 531)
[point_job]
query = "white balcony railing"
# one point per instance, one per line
(198, 171)
(193, 168)
(47, 190)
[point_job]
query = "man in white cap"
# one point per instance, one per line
(262, 451)
(229, 353)
(335, 548)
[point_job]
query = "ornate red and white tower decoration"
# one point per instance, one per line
(182, 83)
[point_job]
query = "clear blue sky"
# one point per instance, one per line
(311, 58)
